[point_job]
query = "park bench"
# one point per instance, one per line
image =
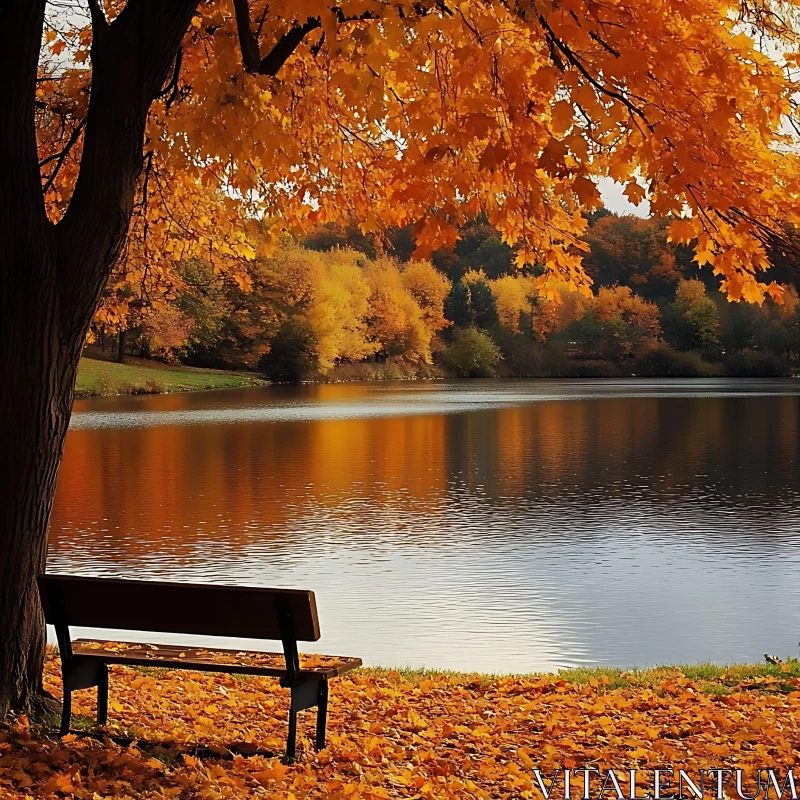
(287, 615)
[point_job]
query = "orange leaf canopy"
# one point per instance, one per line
(428, 113)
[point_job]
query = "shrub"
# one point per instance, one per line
(293, 354)
(389, 370)
(752, 364)
(472, 354)
(152, 386)
(599, 369)
(663, 361)
(526, 358)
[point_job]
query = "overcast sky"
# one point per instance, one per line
(614, 199)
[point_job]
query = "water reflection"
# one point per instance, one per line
(492, 526)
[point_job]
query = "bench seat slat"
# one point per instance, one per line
(210, 659)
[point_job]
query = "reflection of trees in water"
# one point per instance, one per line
(740, 450)
(245, 483)
(237, 485)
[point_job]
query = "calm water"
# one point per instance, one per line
(503, 526)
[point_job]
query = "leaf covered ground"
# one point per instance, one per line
(401, 734)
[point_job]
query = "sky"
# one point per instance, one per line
(614, 199)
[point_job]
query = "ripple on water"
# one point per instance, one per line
(491, 526)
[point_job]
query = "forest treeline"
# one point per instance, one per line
(340, 304)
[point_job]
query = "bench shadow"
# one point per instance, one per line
(170, 751)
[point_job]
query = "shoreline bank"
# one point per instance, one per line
(98, 378)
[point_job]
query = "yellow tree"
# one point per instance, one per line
(392, 112)
(429, 288)
(397, 322)
(514, 295)
(338, 309)
(518, 296)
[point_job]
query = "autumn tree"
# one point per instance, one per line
(514, 296)
(167, 332)
(472, 354)
(318, 308)
(429, 289)
(633, 252)
(296, 113)
(399, 324)
(524, 309)
(617, 324)
(692, 321)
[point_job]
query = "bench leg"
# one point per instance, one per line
(66, 712)
(322, 714)
(291, 739)
(307, 694)
(102, 695)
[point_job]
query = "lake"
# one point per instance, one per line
(504, 526)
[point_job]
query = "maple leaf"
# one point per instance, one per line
(587, 192)
(634, 192)
(563, 116)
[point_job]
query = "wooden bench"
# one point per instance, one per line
(287, 615)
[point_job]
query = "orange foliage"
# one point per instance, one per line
(398, 322)
(353, 307)
(636, 324)
(391, 736)
(397, 114)
(634, 251)
(168, 331)
(430, 289)
(621, 301)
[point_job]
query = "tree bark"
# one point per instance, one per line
(39, 361)
(51, 277)
(121, 348)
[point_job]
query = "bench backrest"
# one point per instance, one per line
(208, 610)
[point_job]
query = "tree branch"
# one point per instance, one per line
(60, 157)
(285, 46)
(554, 43)
(128, 70)
(247, 39)
(271, 63)
(171, 89)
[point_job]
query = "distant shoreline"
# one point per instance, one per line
(99, 378)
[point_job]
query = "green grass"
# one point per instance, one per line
(712, 679)
(97, 377)
(730, 674)
(715, 677)
(52, 720)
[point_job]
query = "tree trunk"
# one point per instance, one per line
(39, 363)
(121, 348)
(51, 277)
